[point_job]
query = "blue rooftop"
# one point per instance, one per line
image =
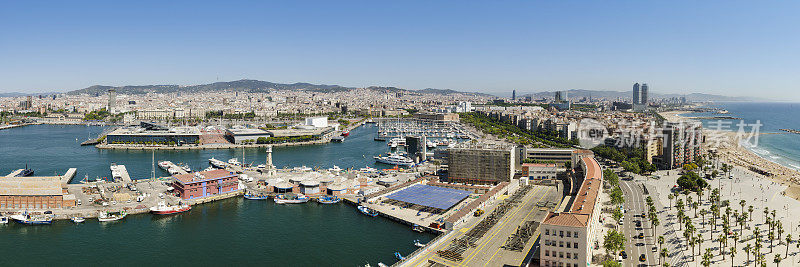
(430, 196)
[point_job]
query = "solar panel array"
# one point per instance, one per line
(430, 196)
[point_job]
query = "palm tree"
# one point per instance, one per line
(699, 240)
(780, 229)
(733, 255)
(670, 197)
(742, 203)
(766, 213)
(788, 241)
(735, 238)
(750, 210)
(771, 236)
(654, 222)
(747, 251)
(660, 241)
(777, 260)
(694, 207)
(703, 217)
(706, 258)
(663, 254)
(723, 238)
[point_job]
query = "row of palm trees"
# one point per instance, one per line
(726, 217)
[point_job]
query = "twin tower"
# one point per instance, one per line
(640, 96)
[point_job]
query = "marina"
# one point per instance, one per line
(263, 217)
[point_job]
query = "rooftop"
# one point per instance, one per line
(30, 186)
(583, 204)
(430, 196)
(203, 176)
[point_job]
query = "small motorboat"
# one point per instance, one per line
(399, 257)
(252, 196)
(380, 264)
(78, 219)
(368, 211)
(329, 200)
(418, 228)
(3, 220)
(290, 198)
(418, 244)
(106, 216)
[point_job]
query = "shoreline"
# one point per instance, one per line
(731, 152)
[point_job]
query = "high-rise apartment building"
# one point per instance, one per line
(643, 97)
(636, 93)
(112, 100)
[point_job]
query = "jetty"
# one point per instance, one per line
(791, 131)
(119, 172)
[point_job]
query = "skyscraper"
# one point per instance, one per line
(643, 98)
(559, 97)
(112, 100)
(636, 93)
(514, 95)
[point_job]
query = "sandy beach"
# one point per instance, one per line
(730, 151)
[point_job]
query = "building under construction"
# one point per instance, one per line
(482, 163)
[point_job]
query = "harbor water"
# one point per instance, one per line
(228, 232)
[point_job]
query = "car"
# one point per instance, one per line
(620, 221)
(79, 202)
(623, 254)
(642, 257)
(654, 249)
(638, 223)
(641, 235)
(643, 215)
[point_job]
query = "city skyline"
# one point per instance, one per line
(528, 47)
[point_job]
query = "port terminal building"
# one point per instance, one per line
(153, 133)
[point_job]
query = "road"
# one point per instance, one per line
(634, 206)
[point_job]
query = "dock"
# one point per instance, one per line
(67, 177)
(15, 173)
(121, 173)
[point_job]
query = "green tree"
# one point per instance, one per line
(614, 241)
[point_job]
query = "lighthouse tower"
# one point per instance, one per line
(270, 168)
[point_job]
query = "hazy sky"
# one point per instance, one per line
(749, 48)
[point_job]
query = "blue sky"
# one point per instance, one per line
(747, 48)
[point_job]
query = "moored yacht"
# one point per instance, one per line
(394, 159)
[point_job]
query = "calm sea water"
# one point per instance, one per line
(782, 148)
(228, 232)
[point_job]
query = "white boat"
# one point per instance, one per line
(185, 167)
(78, 219)
(234, 162)
(430, 144)
(303, 169)
(394, 159)
(380, 264)
(106, 216)
(165, 164)
(290, 198)
(368, 169)
(209, 169)
(335, 169)
(217, 163)
(3, 220)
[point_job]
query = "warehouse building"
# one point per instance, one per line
(34, 193)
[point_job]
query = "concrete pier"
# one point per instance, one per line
(15, 173)
(121, 173)
(67, 177)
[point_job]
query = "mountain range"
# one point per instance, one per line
(252, 86)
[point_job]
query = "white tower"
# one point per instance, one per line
(269, 166)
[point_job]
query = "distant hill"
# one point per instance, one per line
(611, 95)
(249, 86)
(17, 94)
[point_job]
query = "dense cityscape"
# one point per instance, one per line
(318, 133)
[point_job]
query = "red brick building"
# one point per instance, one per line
(204, 184)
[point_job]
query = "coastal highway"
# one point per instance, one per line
(634, 206)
